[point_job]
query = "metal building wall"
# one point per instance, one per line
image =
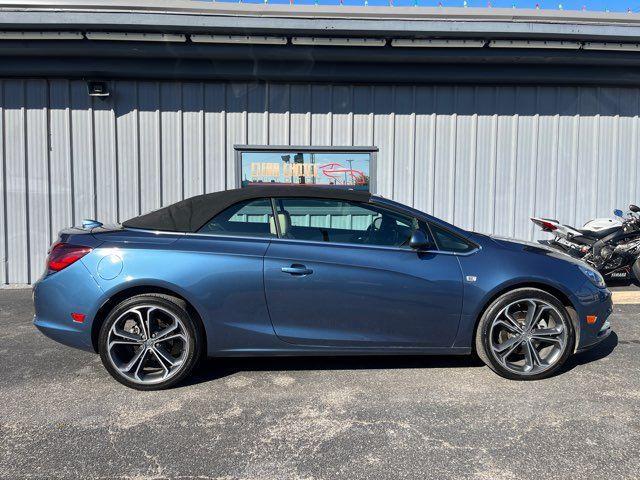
(485, 158)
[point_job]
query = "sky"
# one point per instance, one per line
(593, 5)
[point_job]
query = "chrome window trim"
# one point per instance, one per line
(293, 240)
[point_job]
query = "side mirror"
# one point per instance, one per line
(634, 208)
(618, 213)
(419, 241)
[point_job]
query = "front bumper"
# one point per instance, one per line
(57, 296)
(596, 302)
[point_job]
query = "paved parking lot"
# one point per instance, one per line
(63, 417)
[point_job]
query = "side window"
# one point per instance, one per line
(340, 221)
(448, 241)
(250, 218)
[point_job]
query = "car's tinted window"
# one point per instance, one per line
(340, 221)
(250, 218)
(450, 242)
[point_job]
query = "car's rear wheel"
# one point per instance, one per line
(525, 334)
(149, 342)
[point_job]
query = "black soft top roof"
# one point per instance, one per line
(191, 214)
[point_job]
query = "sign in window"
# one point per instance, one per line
(331, 168)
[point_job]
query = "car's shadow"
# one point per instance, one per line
(216, 368)
(594, 354)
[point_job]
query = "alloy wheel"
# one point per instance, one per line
(147, 344)
(528, 336)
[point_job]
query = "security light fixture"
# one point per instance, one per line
(98, 89)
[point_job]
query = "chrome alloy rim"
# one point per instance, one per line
(528, 336)
(147, 344)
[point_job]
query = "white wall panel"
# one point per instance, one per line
(15, 161)
(485, 157)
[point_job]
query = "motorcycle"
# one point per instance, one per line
(610, 245)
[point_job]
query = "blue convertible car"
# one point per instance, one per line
(293, 270)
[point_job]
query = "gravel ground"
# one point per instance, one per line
(321, 418)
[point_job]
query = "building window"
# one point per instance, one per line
(341, 167)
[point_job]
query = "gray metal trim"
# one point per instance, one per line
(186, 16)
(306, 148)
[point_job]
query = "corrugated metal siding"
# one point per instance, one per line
(485, 158)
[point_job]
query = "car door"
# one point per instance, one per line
(222, 265)
(341, 274)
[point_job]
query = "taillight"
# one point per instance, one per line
(62, 255)
(546, 226)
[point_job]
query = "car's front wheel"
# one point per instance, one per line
(525, 334)
(149, 342)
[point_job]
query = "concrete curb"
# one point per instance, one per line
(626, 298)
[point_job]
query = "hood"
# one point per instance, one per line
(533, 247)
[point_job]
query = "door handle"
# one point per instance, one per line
(297, 269)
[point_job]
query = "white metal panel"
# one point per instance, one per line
(526, 158)
(321, 114)
(485, 157)
(236, 127)
(215, 133)
(193, 138)
(83, 153)
(257, 114)
(383, 138)
(127, 148)
(625, 182)
(445, 159)
(300, 117)
(363, 115)
(17, 221)
(546, 160)
(278, 114)
(149, 146)
(588, 146)
(342, 118)
(171, 142)
(506, 161)
(465, 165)
(37, 153)
(61, 185)
(569, 176)
(425, 143)
(106, 163)
(404, 144)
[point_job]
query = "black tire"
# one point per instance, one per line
(636, 273)
(483, 341)
(192, 332)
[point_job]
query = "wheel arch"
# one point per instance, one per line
(140, 289)
(550, 289)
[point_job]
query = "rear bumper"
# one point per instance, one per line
(57, 296)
